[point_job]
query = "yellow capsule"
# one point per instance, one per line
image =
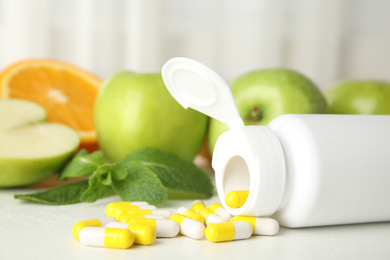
(122, 210)
(220, 211)
(188, 226)
(106, 237)
(210, 217)
(95, 222)
(143, 235)
(191, 214)
(236, 198)
(110, 207)
(165, 213)
(228, 231)
(127, 218)
(163, 227)
(261, 226)
(197, 206)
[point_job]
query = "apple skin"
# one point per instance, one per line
(263, 95)
(359, 97)
(25, 131)
(25, 171)
(134, 111)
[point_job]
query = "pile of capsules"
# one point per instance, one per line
(129, 223)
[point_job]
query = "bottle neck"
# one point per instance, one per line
(250, 158)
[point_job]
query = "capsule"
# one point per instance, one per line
(197, 206)
(228, 231)
(220, 211)
(236, 198)
(188, 226)
(127, 218)
(106, 237)
(95, 222)
(110, 207)
(191, 214)
(165, 213)
(210, 217)
(122, 210)
(261, 226)
(163, 227)
(143, 235)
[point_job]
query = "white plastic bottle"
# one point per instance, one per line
(304, 170)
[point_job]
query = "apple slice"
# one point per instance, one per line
(31, 150)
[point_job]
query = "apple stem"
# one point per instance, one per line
(256, 114)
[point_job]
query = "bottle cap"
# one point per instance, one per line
(196, 86)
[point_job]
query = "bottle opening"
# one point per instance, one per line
(236, 181)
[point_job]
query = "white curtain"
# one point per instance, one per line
(328, 40)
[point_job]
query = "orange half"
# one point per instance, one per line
(66, 92)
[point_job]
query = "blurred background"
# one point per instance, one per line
(327, 40)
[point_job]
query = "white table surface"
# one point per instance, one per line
(35, 231)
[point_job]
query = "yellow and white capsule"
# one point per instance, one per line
(122, 210)
(220, 211)
(106, 237)
(143, 235)
(95, 222)
(210, 217)
(228, 231)
(188, 226)
(236, 198)
(163, 227)
(164, 212)
(261, 226)
(127, 218)
(191, 214)
(110, 207)
(197, 206)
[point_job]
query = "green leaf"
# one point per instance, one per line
(119, 172)
(141, 184)
(65, 194)
(174, 172)
(97, 185)
(83, 164)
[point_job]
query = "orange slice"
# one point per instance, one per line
(66, 92)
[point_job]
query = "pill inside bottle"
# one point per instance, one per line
(236, 198)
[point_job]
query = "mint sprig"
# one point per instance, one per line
(175, 174)
(65, 194)
(144, 175)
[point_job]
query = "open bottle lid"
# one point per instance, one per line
(196, 86)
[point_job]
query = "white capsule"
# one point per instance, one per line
(220, 211)
(165, 213)
(163, 227)
(95, 222)
(243, 230)
(189, 227)
(106, 237)
(190, 213)
(127, 218)
(228, 231)
(211, 217)
(261, 226)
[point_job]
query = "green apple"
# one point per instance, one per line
(31, 150)
(134, 111)
(359, 97)
(265, 94)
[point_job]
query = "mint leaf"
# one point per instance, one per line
(175, 173)
(83, 164)
(140, 184)
(65, 194)
(96, 189)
